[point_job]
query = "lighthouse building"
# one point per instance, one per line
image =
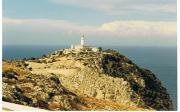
(82, 47)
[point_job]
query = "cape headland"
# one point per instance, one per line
(83, 78)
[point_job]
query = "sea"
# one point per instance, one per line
(162, 61)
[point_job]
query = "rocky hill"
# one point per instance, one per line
(83, 81)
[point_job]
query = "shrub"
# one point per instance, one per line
(32, 58)
(26, 64)
(30, 68)
(24, 59)
(44, 56)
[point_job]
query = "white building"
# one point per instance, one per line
(81, 47)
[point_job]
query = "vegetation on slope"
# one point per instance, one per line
(22, 87)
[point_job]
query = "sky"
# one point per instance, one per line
(104, 22)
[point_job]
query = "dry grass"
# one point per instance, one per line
(99, 104)
(12, 67)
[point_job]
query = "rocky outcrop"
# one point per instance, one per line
(46, 91)
(84, 81)
(142, 81)
(37, 91)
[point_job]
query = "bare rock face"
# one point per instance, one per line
(85, 81)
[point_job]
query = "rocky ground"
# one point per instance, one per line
(83, 81)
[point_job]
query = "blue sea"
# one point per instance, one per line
(160, 60)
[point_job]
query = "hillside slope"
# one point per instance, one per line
(86, 81)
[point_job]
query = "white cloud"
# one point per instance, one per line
(46, 24)
(140, 28)
(115, 7)
(115, 28)
(167, 8)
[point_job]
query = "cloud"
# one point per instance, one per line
(161, 8)
(115, 28)
(140, 28)
(47, 24)
(116, 7)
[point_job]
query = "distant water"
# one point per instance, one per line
(160, 60)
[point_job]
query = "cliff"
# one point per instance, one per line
(83, 81)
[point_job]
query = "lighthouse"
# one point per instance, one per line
(82, 40)
(82, 47)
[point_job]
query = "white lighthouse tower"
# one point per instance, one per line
(82, 40)
(80, 47)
